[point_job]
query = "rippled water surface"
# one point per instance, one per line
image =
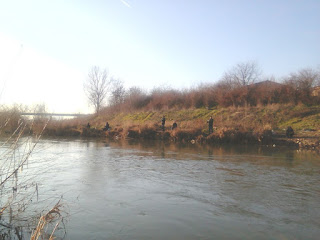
(165, 191)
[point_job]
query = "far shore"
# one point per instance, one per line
(196, 136)
(255, 125)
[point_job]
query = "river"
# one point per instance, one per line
(156, 190)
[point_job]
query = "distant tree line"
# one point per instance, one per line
(241, 86)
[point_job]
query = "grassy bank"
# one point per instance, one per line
(301, 118)
(261, 125)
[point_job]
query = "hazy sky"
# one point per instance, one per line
(47, 47)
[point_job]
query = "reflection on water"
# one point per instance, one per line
(157, 190)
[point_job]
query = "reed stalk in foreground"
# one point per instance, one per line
(52, 217)
(19, 199)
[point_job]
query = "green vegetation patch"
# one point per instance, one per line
(200, 113)
(309, 122)
(255, 119)
(140, 116)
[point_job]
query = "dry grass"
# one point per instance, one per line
(19, 188)
(49, 219)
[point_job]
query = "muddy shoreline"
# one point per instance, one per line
(196, 136)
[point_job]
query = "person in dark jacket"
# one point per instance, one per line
(163, 122)
(174, 125)
(289, 132)
(107, 127)
(210, 123)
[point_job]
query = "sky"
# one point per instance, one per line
(48, 47)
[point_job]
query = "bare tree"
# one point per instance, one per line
(118, 93)
(136, 98)
(243, 74)
(97, 87)
(301, 84)
(235, 83)
(304, 79)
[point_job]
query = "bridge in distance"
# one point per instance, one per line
(55, 114)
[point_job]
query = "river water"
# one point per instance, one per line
(154, 190)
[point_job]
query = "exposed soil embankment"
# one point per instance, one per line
(219, 136)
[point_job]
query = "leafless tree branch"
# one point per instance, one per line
(97, 87)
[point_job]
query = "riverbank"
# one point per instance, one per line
(224, 136)
(255, 125)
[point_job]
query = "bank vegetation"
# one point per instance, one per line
(23, 212)
(245, 109)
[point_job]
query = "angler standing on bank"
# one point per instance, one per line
(210, 121)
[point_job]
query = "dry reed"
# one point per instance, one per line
(53, 216)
